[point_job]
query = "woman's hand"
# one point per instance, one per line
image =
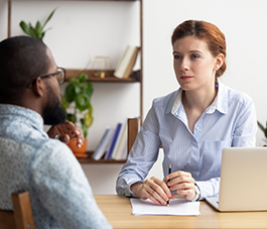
(67, 131)
(183, 182)
(154, 189)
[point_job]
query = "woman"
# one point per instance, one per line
(193, 124)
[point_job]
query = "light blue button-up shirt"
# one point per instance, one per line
(230, 121)
(60, 194)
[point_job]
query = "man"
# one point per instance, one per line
(29, 160)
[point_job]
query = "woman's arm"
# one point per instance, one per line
(131, 180)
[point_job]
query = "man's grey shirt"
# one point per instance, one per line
(60, 194)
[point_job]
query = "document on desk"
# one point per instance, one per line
(177, 207)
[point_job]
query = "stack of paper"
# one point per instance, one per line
(177, 207)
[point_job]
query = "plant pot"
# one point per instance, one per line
(78, 152)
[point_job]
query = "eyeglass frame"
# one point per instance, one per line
(50, 75)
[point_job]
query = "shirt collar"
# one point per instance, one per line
(28, 115)
(178, 101)
(220, 103)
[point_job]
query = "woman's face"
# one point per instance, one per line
(194, 65)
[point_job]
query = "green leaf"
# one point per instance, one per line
(71, 91)
(38, 30)
(82, 102)
(48, 19)
(64, 103)
(90, 110)
(71, 118)
(88, 89)
(74, 80)
(25, 27)
(88, 119)
(43, 33)
(77, 89)
(82, 77)
(32, 31)
(85, 130)
(82, 120)
(261, 126)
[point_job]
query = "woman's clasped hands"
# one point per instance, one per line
(159, 191)
(183, 183)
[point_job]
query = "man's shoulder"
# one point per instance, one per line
(52, 150)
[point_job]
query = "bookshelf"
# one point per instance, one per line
(135, 77)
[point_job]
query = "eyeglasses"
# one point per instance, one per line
(60, 74)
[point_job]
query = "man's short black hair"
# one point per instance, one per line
(22, 59)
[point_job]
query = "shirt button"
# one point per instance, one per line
(197, 128)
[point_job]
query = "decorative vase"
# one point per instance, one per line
(101, 67)
(78, 152)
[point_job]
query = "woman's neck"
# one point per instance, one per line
(199, 99)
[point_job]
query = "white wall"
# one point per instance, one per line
(82, 30)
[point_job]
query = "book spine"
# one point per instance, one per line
(115, 150)
(121, 145)
(113, 142)
(100, 145)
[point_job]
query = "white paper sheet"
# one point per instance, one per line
(177, 207)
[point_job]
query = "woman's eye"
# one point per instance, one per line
(176, 57)
(194, 56)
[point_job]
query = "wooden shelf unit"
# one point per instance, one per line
(136, 76)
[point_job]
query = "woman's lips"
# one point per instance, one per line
(186, 77)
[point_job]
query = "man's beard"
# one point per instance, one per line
(53, 113)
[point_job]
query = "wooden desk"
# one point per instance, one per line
(118, 212)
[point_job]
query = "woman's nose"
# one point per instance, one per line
(185, 64)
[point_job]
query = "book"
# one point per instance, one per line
(124, 152)
(122, 144)
(127, 62)
(113, 141)
(118, 142)
(102, 145)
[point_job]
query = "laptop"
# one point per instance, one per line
(243, 184)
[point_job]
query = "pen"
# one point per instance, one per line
(170, 171)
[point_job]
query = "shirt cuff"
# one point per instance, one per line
(208, 189)
(129, 186)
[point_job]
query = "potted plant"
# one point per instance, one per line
(76, 101)
(38, 30)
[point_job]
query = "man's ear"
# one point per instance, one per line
(39, 87)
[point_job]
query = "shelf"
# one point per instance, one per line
(89, 160)
(134, 77)
(132, 133)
